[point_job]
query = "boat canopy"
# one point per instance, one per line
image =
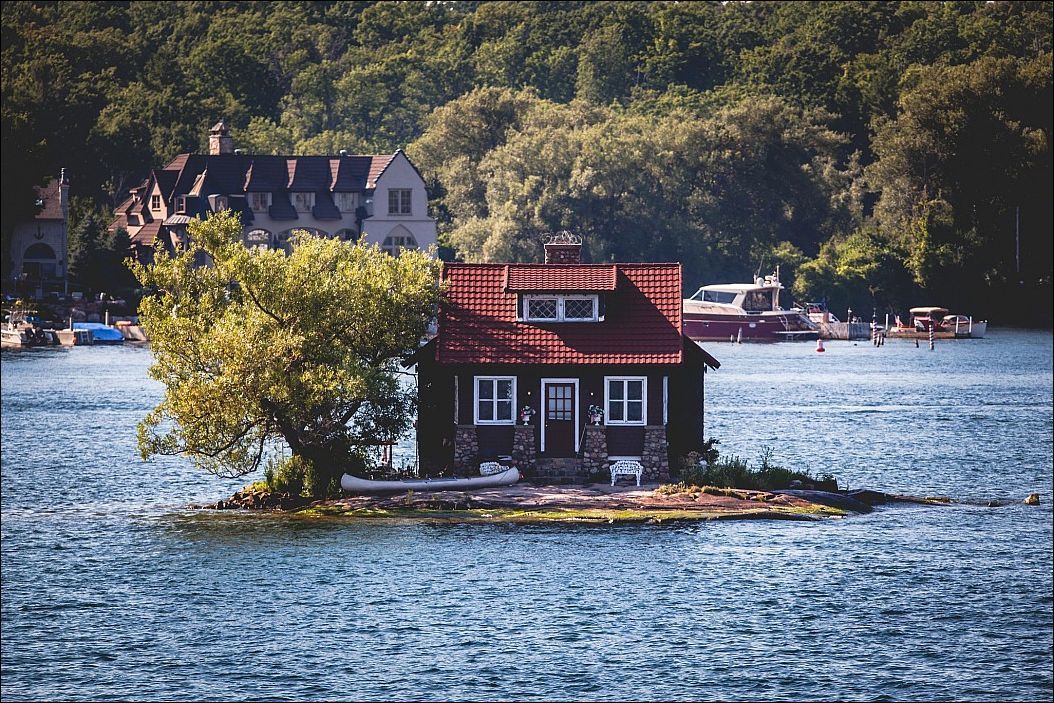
(101, 332)
(936, 313)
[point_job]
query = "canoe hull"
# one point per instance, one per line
(354, 484)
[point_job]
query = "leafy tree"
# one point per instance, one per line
(969, 149)
(263, 352)
(96, 254)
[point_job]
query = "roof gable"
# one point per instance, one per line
(478, 323)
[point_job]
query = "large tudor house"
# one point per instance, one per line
(378, 199)
(560, 368)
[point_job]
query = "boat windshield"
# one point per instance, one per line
(718, 296)
(758, 301)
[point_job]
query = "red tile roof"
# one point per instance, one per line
(560, 277)
(642, 322)
(51, 205)
(378, 163)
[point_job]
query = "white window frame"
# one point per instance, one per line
(310, 198)
(155, 202)
(345, 202)
(404, 201)
(560, 299)
(494, 401)
(596, 308)
(542, 402)
(259, 202)
(643, 396)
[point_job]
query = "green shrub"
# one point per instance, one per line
(734, 472)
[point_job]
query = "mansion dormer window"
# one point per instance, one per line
(303, 202)
(259, 202)
(345, 201)
(561, 308)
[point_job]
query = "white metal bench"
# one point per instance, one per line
(489, 468)
(624, 467)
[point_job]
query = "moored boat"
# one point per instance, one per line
(739, 311)
(942, 324)
(354, 484)
(101, 334)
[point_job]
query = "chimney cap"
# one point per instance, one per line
(220, 127)
(564, 237)
(563, 248)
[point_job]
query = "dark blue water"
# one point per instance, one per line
(110, 589)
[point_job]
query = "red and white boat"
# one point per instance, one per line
(945, 326)
(738, 311)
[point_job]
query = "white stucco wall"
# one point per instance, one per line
(400, 174)
(26, 234)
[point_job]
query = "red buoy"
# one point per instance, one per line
(819, 345)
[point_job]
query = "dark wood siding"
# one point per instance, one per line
(436, 426)
(625, 441)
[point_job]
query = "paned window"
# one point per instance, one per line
(155, 202)
(303, 202)
(260, 201)
(580, 308)
(560, 308)
(495, 398)
(543, 308)
(626, 398)
(396, 243)
(258, 238)
(345, 201)
(399, 201)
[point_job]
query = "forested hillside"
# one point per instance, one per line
(880, 153)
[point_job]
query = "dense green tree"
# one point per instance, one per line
(969, 150)
(110, 90)
(264, 352)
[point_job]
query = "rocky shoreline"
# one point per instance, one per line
(598, 503)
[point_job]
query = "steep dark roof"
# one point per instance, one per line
(324, 208)
(281, 208)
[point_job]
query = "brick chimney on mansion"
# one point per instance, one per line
(563, 248)
(220, 141)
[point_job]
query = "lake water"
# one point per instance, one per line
(112, 589)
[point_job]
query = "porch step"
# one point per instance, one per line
(558, 465)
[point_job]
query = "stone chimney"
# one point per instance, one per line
(563, 248)
(220, 141)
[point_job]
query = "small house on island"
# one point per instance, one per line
(560, 367)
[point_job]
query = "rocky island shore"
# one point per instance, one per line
(596, 503)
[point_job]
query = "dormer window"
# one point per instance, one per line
(181, 204)
(303, 202)
(259, 202)
(561, 308)
(155, 202)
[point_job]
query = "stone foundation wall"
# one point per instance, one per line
(595, 452)
(466, 447)
(656, 454)
(524, 450)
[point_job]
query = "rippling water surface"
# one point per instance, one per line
(112, 589)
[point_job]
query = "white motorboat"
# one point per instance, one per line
(354, 484)
(739, 311)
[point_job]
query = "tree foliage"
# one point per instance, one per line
(261, 352)
(110, 90)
